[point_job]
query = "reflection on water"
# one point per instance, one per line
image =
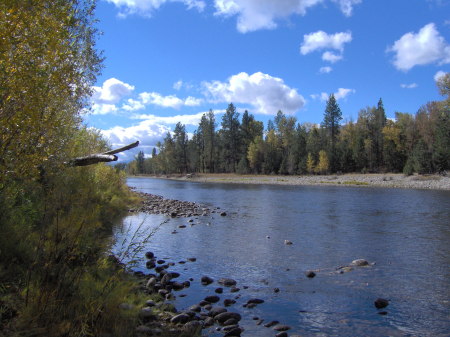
(406, 232)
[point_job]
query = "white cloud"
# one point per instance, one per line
(342, 93)
(346, 6)
(261, 14)
(103, 109)
(265, 93)
(178, 84)
(147, 132)
(320, 40)
(112, 91)
(425, 47)
(172, 120)
(325, 70)
(147, 7)
(409, 86)
(331, 57)
(439, 74)
(170, 101)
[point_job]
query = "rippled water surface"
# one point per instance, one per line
(405, 232)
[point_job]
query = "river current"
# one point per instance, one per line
(404, 233)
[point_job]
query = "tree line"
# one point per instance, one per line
(417, 143)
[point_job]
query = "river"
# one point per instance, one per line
(405, 233)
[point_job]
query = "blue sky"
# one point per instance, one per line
(172, 60)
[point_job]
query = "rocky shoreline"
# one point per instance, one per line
(156, 204)
(388, 180)
(214, 314)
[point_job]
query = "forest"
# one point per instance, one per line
(410, 144)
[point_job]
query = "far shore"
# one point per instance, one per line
(387, 180)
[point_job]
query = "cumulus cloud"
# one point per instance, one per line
(193, 119)
(147, 7)
(346, 6)
(425, 47)
(112, 91)
(178, 84)
(325, 70)
(261, 14)
(439, 74)
(331, 57)
(170, 101)
(147, 132)
(320, 40)
(265, 93)
(409, 86)
(341, 93)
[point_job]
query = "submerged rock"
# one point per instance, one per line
(381, 303)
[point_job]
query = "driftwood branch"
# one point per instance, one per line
(104, 157)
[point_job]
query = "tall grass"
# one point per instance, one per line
(55, 278)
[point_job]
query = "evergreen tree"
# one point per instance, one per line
(331, 120)
(230, 137)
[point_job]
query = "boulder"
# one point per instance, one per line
(212, 299)
(180, 318)
(206, 280)
(381, 303)
(359, 263)
(216, 311)
(149, 255)
(225, 316)
(281, 327)
(310, 274)
(227, 282)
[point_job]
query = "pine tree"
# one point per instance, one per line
(331, 120)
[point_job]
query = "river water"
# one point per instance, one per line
(405, 233)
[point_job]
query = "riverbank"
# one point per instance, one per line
(388, 180)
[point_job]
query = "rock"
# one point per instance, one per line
(281, 327)
(212, 299)
(281, 334)
(151, 282)
(150, 303)
(181, 318)
(310, 274)
(186, 284)
(276, 290)
(227, 302)
(192, 327)
(149, 255)
(216, 310)
(227, 282)
(255, 301)
(203, 303)
(359, 263)
(271, 323)
(177, 286)
(182, 226)
(287, 242)
(229, 322)
(381, 303)
(150, 264)
(160, 262)
(223, 214)
(219, 290)
(225, 316)
(206, 280)
(192, 259)
(174, 274)
(234, 332)
(195, 308)
(234, 289)
(209, 321)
